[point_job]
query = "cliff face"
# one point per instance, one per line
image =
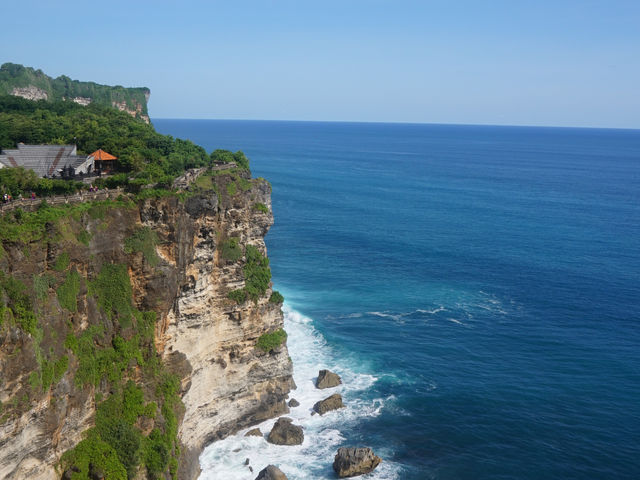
(32, 84)
(83, 348)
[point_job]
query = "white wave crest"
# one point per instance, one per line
(225, 459)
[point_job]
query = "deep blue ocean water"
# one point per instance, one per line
(478, 286)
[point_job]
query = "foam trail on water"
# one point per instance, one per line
(309, 351)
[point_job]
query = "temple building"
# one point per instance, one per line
(104, 162)
(49, 160)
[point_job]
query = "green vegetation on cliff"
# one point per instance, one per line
(145, 157)
(114, 358)
(137, 400)
(270, 341)
(13, 76)
(257, 276)
(144, 240)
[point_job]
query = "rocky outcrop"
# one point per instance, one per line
(285, 433)
(135, 111)
(327, 379)
(353, 461)
(334, 402)
(271, 473)
(84, 101)
(32, 84)
(30, 92)
(203, 337)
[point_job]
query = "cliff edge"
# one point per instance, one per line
(26, 82)
(130, 331)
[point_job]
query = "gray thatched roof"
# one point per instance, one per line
(45, 160)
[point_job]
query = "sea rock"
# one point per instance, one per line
(354, 461)
(333, 402)
(271, 473)
(285, 433)
(254, 432)
(327, 379)
(294, 403)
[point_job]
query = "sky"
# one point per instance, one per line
(502, 62)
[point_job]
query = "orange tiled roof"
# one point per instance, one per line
(102, 155)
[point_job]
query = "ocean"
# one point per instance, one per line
(476, 287)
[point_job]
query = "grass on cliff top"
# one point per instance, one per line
(31, 226)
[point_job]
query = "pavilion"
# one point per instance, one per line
(104, 162)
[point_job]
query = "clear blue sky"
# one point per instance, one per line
(557, 62)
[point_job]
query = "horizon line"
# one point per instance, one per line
(398, 123)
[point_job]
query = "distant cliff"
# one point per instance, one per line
(34, 84)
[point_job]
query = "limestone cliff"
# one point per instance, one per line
(72, 346)
(32, 84)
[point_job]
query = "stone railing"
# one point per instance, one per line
(191, 175)
(30, 204)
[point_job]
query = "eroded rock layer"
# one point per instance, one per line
(181, 273)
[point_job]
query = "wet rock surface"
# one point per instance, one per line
(333, 402)
(285, 433)
(271, 473)
(327, 379)
(354, 461)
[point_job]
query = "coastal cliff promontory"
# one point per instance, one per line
(137, 329)
(33, 84)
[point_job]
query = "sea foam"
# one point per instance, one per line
(310, 352)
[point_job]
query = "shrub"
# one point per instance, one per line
(276, 297)
(239, 296)
(18, 306)
(84, 237)
(231, 188)
(143, 240)
(261, 207)
(41, 284)
(257, 273)
(62, 262)
(270, 341)
(244, 184)
(231, 250)
(112, 288)
(99, 453)
(68, 291)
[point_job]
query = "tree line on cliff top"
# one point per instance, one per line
(144, 155)
(13, 75)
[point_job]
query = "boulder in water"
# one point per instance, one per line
(285, 433)
(254, 432)
(294, 403)
(271, 473)
(354, 461)
(327, 379)
(333, 402)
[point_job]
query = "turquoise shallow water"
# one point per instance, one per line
(479, 286)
